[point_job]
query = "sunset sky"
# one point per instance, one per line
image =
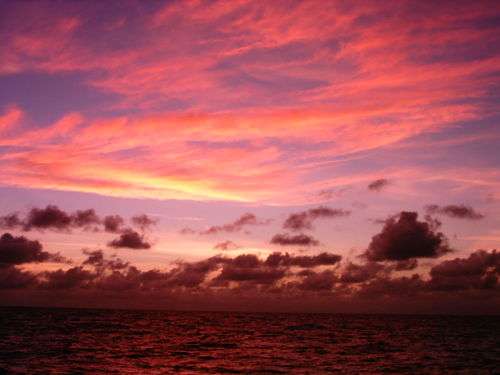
(357, 142)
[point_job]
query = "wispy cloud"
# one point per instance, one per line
(358, 78)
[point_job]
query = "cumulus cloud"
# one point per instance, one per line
(192, 274)
(67, 279)
(404, 238)
(20, 250)
(357, 273)
(454, 211)
(13, 278)
(248, 268)
(130, 239)
(251, 276)
(406, 287)
(85, 218)
(305, 261)
(10, 221)
(53, 218)
(143, 221)
(378, 185)
(406, 265)
(480, 270)
(317, 281)
(96, 259)
(245, 268)
(474, 277)
(113, 223)
(48, 217)
(285, 239)
(304, 220)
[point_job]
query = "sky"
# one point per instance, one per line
(279, 156)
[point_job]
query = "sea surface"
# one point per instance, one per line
(61, 341)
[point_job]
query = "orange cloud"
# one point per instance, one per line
(10, 118)
(194, 156)
(245, 100)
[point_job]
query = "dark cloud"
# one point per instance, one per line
(434, 223)
(378, 185)
(226, 246)
(116, 264)
(48, 217)
(317, 281)
(130, 239)
(480, 270)
(71, 278)
(96, 259)
(407, 287)
(382, 221)
(132, 279)
(476, 277)
(406, 265)
(51, 217)
(250, 278)
(85, 218)
(454, 211)
(143, 221)
(193, 274)
(120, 282)
(113, 223)
(278, 259)
(10, 221)
(249, 268)
(245, 268)
(304, 220)
(358, 273)
(259, 275)
(13, 278)
(405, 238)
(243, 221)
(19, 250)
(298, 221)
(326, 212)
(246, 261)
(285, 239)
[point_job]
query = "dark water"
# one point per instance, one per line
(129, 342)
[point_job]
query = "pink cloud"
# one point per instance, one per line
(94, 160)
(10, 118)
(270, 75)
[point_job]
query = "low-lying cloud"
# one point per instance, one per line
(288, 277)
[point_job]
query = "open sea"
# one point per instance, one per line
(61, 341)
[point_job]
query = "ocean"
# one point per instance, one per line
(84, 341)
